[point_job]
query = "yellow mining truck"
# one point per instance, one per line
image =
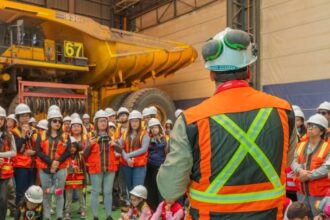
(41, 47)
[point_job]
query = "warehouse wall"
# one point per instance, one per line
(295, 50)
(191, 84)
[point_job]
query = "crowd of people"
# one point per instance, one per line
(117, 153)
(240, 154)
(308, 176)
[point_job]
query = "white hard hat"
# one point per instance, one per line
(229, 50)
(76, 121)
(12, 116)
(22, 109)
(169, 121)
(43, 124)
(178, 112)
(54, 107)
(295, 107)
(153, 122)
(67, 118)
(2, 112)
(100, 114)
(122, 110)
(324, 105)
(34, 194)
(146, 112)
(135, 115)
(54, 114)
(74, 115)
(299, 113)
(111, 124)
(32, 120)
(139, 191)
(319, 120)
(86, 116)
(153, 110)
(110, 112)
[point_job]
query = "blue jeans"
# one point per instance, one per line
(56, 181)
(97, 179)
(133, 176)
(24, 178)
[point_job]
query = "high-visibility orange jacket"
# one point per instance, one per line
(140, 160)
(21, 160)
(317, 187)
(101, 157)
(239, 139)
(6, 169)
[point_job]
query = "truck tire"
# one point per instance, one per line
(151, 97)
(118, 101)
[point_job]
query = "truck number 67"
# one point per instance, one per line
(73, 49)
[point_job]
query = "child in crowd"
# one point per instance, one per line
(156, 157)
(168, 211)
(75, 180)
(139, 208)
(298, 211)
(30, 207)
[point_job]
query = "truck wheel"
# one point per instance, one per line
(151, 96)
(118, 101)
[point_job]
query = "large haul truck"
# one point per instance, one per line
(52, 57)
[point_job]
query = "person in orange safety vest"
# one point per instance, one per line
(7, 152)
(25, 171)
(101, 162)
(231, 150)
(309, 163)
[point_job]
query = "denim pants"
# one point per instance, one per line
(133, 176)
(24, 178)
(97, 180)
(53, 181)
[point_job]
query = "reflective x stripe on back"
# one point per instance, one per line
(247, 145)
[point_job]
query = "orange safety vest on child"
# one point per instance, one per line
(318, 187)
(101, 158)
(52, 151)
(75, 178)
(290, 184)
(138, 161)
(21, 160)
(6, 169)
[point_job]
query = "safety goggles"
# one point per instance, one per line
(234, 39)
(55, 121)
(312, 126)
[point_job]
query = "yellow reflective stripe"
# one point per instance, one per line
(253, 132)
(7, 167)
(73, 182)
(251, 147)
(323, 148)
(300, 148)
(237, 198)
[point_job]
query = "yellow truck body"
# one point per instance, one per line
(111, 61)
